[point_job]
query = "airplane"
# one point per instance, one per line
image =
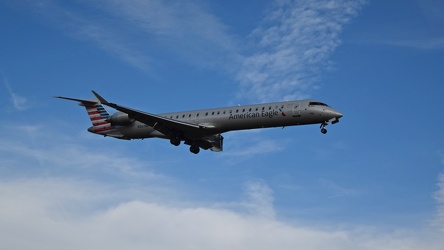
(202, 129)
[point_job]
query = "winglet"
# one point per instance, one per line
(101, 99)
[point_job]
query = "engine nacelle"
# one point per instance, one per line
(119, 119)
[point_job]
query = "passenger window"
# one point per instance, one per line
(269, 108)
(206, 114)
(183, 116)
(189, 115)
(212, 113)
(218, 112)
(237, 110)
(197, 115)
(243, 110)
(263, 108)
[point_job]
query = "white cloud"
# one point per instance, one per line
(293, 44)
(145, 211)
(338, 191)
(422, 44)
(422, 33)
(243, 145)
(18, 102)
(73, 157)
(187, 21)
(186, 29)
(259, 199)
(43, 214)
(439, 198)
(36, 152)
(135, 31)
(282, 60)
(431, 10)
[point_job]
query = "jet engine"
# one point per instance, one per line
(119, 119)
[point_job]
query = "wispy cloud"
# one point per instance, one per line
(424, 32)
(421, 44)
(259, 199)
(136, 31)
(244, 145)
(292, 46)
(34, 150)
(186, 28)
(18, 102)
(432, 10)
(281, 59)
(439, 197)
(338, 191)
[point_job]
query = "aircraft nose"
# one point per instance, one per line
(334, 113)
(338, 114)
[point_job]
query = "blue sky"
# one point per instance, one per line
(375, 181)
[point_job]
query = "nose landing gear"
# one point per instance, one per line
(323, 129)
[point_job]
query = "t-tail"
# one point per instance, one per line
(98, 116)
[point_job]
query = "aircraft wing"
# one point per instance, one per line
(166, 126)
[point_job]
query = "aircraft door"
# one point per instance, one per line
(297, 110)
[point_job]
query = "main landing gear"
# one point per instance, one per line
(176, 142)
(194, 149)
(323, 129)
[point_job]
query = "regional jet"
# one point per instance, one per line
(202, 129)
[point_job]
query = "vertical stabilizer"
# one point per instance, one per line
(98, 116)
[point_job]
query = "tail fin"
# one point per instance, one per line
(97, 114)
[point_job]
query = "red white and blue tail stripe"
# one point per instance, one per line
(98, 116)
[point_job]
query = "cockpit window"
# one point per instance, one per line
(317, 104)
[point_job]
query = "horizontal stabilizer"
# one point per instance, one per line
(84, 102)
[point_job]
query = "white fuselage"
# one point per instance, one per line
(202, 128)
(220, 120)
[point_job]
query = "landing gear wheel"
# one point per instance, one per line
(323, 129)
(175, 141)
(194, 149)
